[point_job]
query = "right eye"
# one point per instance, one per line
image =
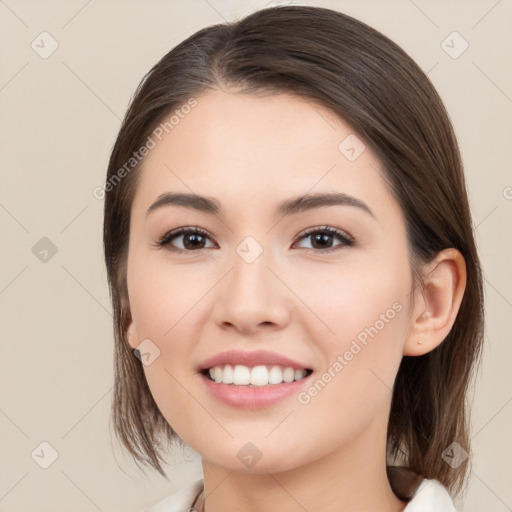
(193, 239)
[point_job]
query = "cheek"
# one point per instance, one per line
(361, 334)
(162, 297)
(347, 299)
(164, 305)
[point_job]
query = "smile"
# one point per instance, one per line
(253, 379)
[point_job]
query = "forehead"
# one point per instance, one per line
(252, 150)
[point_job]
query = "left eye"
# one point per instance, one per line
(324, 237)
(194, 239)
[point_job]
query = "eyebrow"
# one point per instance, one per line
(289, 207)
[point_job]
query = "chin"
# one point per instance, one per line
(248, 460)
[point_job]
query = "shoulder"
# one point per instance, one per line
(180, 500)
(431, 496)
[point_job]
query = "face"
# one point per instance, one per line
(326, 285)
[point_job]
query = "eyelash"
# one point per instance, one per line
(346, 240)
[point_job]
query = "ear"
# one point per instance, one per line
(437, 302)
(131, 332)
(132, 336)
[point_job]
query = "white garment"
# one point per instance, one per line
(430, 496)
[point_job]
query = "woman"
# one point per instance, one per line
(296, 289)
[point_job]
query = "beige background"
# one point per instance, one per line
(60, 116)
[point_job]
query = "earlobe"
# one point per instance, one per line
(437, 302)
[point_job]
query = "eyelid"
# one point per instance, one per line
(327, 229)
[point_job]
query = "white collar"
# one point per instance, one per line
(430, 496)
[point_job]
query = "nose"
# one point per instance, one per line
(252, 298)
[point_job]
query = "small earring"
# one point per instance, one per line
(420, 342)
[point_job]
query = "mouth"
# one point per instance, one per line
(253, 380)
(255, 376)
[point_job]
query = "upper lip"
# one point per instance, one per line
(255, 358)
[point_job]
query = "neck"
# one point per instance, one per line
(350, 478)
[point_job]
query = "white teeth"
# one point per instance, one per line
(241, 375)
(275, 375)
(259, 376)
(217, 374)
(227, 376)
(289, 375)
(300, 374)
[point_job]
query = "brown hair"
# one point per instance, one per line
(371, 83)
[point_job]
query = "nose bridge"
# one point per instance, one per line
(250, 273)
(251, 294)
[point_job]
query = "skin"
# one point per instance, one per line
(250, 153)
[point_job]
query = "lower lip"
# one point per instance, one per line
(252, 397)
